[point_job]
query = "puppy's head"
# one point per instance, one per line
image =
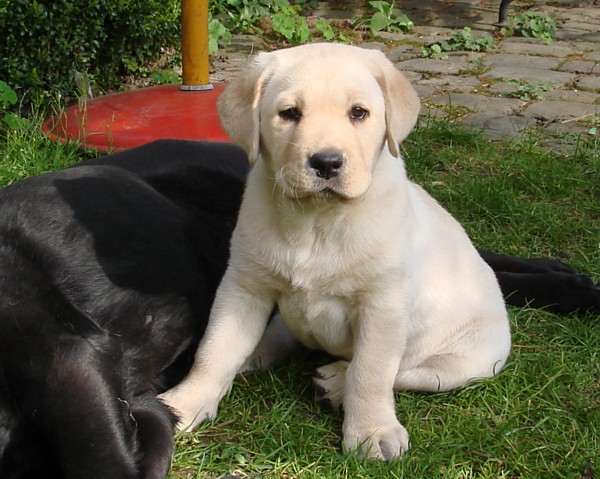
(319, 115)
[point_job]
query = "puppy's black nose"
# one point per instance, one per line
(326, 163)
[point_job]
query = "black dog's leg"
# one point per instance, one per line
(61, 383)
(97, 430)
(511, 264)
(84, 419)
(23, 453)
(76, 394)
(544, 283)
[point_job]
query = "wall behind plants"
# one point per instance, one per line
(43, 42)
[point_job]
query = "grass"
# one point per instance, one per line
(540, 418)
(24, 151)
(514, 198)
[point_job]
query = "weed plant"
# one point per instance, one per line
(528, 91)
(533, 25)
(460, 40)
(25, 151)
(386, 17)
(539, 418)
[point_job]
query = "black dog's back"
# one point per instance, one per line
(164, 157)
(108, 271)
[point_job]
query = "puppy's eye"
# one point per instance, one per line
(291, 114)
(358, 113)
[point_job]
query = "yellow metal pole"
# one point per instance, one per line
(194, 45)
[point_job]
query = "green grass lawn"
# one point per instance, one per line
(540, 418)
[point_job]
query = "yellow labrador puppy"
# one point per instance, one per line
(363, 263)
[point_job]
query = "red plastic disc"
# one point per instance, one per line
(132, 118)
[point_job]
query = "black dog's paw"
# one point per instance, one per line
(577, 293)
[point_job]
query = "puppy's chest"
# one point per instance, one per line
(319, 269)
(317, 294)
(319, 321)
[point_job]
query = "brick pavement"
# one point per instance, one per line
(479, 88)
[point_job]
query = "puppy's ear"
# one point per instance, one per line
(239, 105)
(402, 104)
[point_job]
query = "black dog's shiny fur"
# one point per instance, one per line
(107, 274)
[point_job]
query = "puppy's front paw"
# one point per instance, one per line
(189, 406)
(387, 440)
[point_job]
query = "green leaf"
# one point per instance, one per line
(378, 5)
(8, 96)
(378, 22)
(302, 32)
(325, 28)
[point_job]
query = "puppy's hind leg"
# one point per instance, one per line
(330, 383)
(447, 371)
(439, 373)
(442, 372)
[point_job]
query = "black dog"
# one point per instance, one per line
(107, 275)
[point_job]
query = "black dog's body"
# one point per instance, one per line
(107, 275)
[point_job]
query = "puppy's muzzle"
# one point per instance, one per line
(326, 163)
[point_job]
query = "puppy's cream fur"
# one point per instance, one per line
(363, 264)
